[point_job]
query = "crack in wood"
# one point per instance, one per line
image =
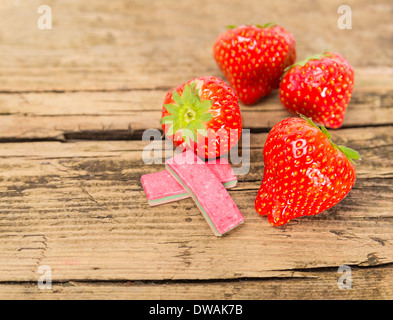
(305, 273)
(42, 250)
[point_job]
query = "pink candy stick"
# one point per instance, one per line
(161, 187)
(211, 197)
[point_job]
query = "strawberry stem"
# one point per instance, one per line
(348, 152)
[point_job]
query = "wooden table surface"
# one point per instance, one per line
(74, 102)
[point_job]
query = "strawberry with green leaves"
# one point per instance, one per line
(319, 87)
(202, 114)
(305, 172)
(253, 58)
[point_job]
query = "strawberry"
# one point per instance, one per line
(202, 114)
(253, 58)
(305, 172)
(319, 87)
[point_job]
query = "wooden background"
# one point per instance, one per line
(74, 102)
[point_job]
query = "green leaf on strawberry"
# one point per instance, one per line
(189, 113)
(303, 62)
(348, 152)
(266, 25)
(197, 112)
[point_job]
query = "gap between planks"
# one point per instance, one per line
(367, 283)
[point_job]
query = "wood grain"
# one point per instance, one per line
(125, 115)
(74, 102)
(367, 284)
(96, 45)
(79, 208)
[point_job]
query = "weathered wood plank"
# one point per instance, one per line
(79, 208)
(129, 44)
(101, 73)
(366, 284)
(125, 114)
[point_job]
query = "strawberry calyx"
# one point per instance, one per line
(348, 152)
(188, 113)
(303, 62)
(262, 26)
(266, 25)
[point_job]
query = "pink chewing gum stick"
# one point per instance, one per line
(161, 187)
(211, 197)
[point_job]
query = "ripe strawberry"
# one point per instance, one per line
(319, 87)
(253, 58)
(305, 172)
(204, 115)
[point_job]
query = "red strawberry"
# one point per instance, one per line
(305, 172)
(253, 58)
(319, 87)
(203, 114)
